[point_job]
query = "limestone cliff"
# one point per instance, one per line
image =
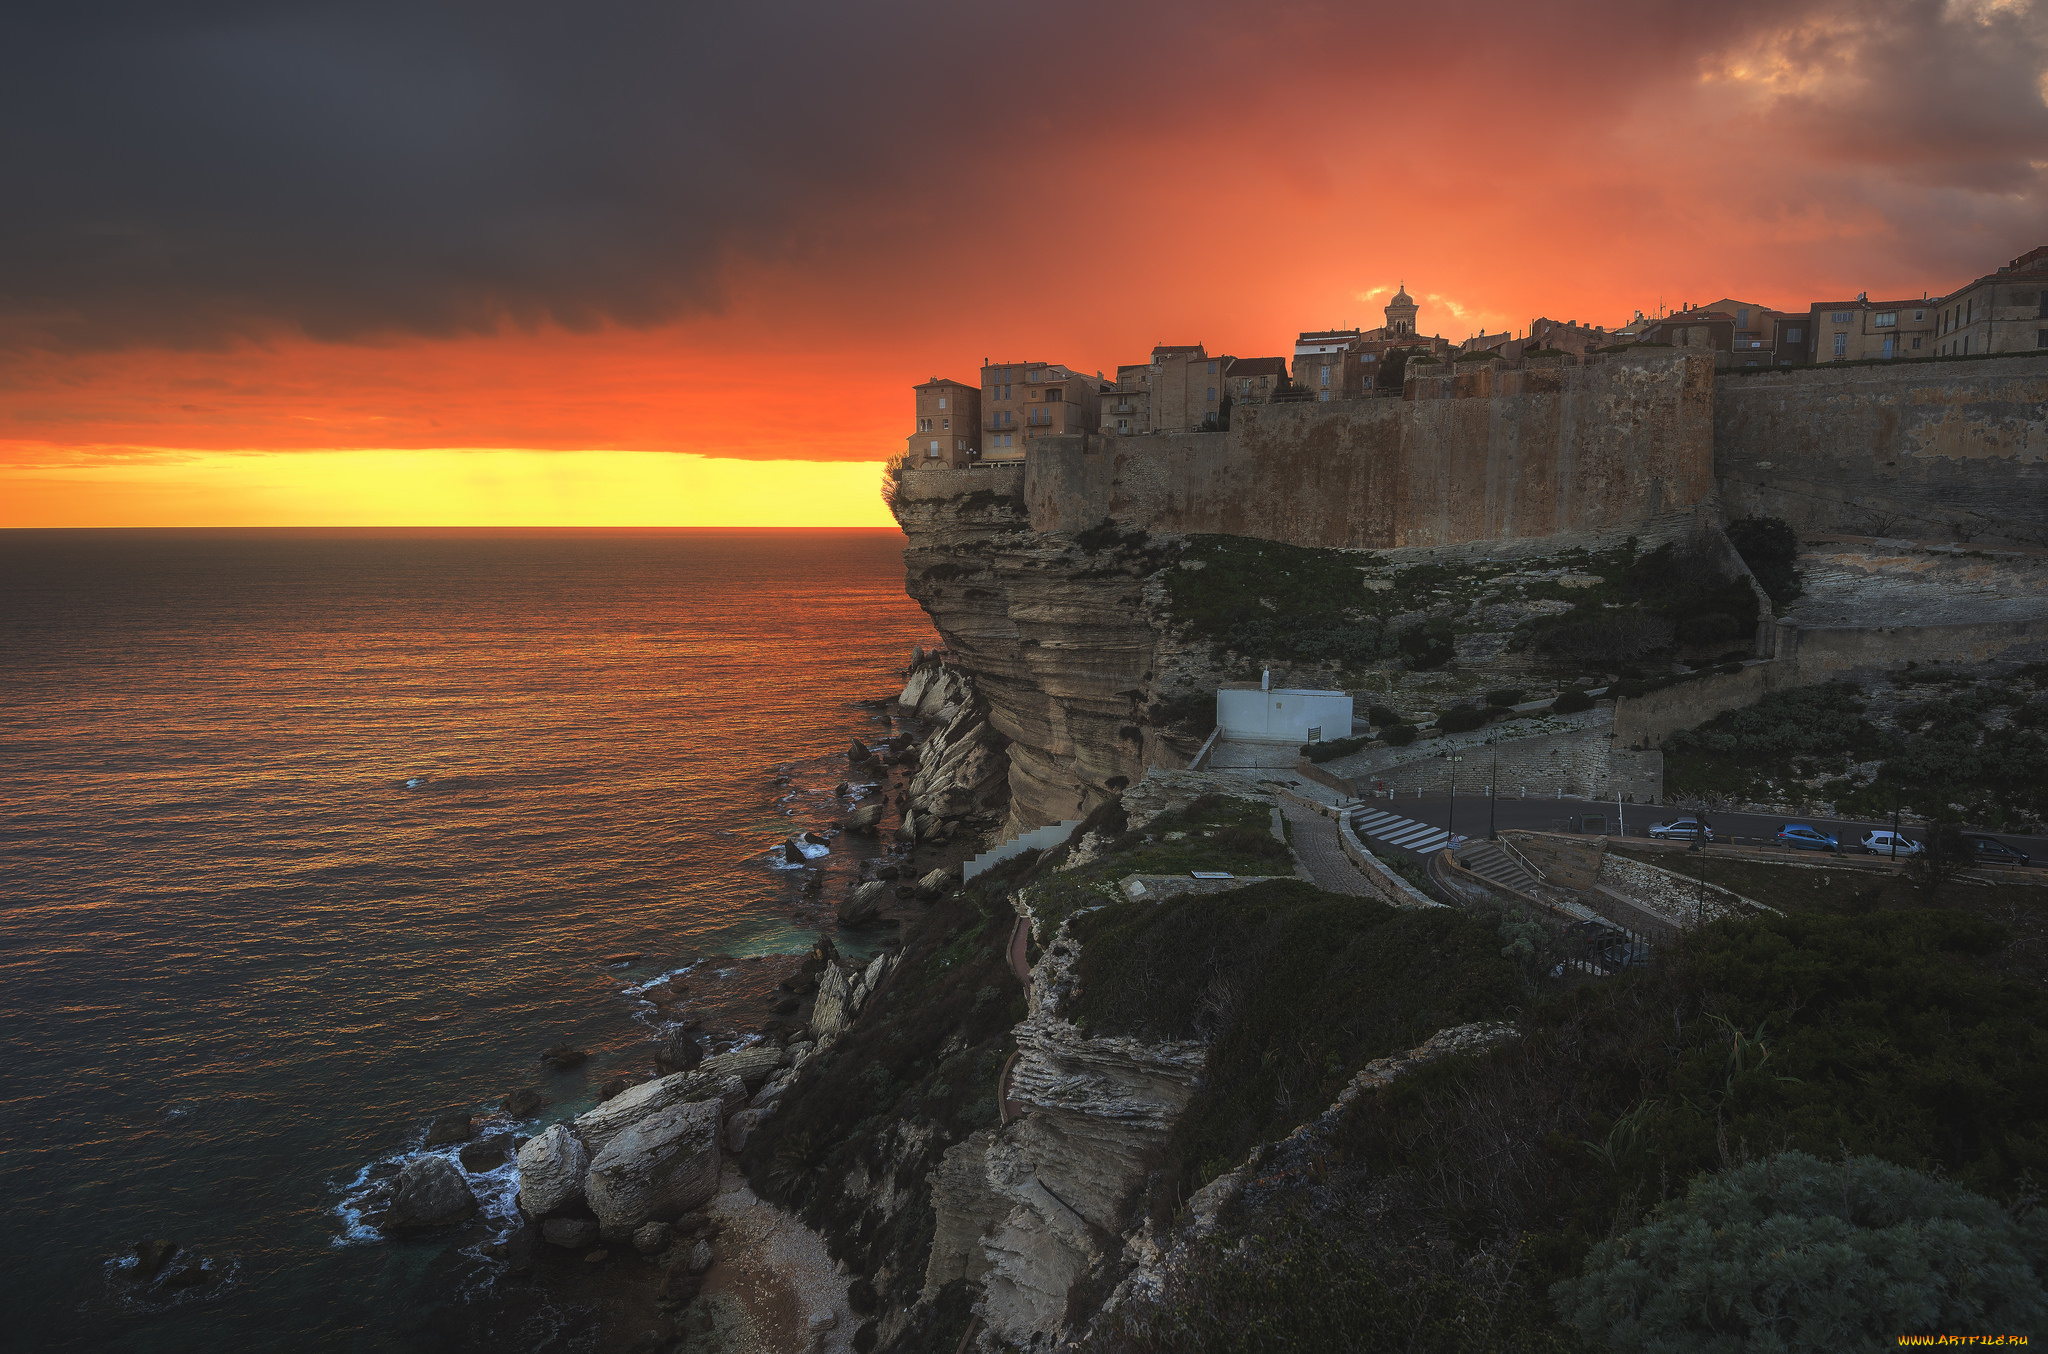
(1066, 650)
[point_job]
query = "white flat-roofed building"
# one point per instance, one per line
(1254, 713)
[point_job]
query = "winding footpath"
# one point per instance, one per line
(1321, 853)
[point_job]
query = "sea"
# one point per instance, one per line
(309, 837)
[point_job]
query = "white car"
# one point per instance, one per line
(1884, 841)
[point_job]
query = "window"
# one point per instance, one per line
(1212, 392)
(1212, 368)
(946, 424)
(1889, 340)
(2041, 339)
(1326, 380)
(1123, 425)
(1966, 345)
(1886, 319)
(1916, 341)
(1841, 317)
(2044, 305)
(1919, 315)
(1792, 335)
(1055, 393)
(934, 451)
(942, 401)
(1841, 345)
(1742, 317)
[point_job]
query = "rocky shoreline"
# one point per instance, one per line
(633, 1219)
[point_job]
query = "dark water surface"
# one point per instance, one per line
(241, 962)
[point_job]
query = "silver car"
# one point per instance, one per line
(1684, 830)
(1885, 842)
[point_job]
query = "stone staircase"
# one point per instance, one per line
(1496, 866)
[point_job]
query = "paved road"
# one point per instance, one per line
(1475, 816)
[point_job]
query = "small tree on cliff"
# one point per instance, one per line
(1393, 369)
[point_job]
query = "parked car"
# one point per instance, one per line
(1685, 830)
(1991, 851)
(1805, 837)
(1625, 954)
(1885, 842)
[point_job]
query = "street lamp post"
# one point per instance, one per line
(1493, 794)
(1451, 818)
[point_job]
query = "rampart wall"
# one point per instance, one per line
(1585, 451)
(1927, 450)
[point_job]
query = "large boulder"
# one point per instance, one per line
(934, 885)
(449, 1128)
(857, 752)
(834, 1008)
(551, 1170)
(865, 818)
(661, 1167)
(726, 1079)
(864, 907)
(430, 1194)
(751, 1065)
(741, 1127)
(677, 1053)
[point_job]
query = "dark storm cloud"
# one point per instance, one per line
(193, 174)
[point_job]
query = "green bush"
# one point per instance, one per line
(1297, 988)
(1379, 716)
(1427, 645)
(1794, 1253)
(1571, 702)
(1331, 749)
(1463, 718)
(1400, 735)
(1507, 696)
(1771, 550)
(1606, 638)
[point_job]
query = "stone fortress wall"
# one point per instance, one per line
(1944, 450)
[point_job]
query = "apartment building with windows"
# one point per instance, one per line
(1187, 387)
(1329, 363)
(1025, 400)
(1863, 329)
(1127, 403)
(1254, 380)
(2001, 312)
(948, 432)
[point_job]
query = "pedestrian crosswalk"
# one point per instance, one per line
(1405, 833)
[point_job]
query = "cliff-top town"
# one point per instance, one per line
(1185, 388)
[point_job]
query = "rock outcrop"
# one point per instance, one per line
(429, 1194)
(1026, 1208)
(658, 1169)
(552, 1165)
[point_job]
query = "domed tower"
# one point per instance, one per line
(1401, 312)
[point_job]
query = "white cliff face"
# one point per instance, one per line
(1029, 1208)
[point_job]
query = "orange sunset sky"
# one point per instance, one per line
(619, 264)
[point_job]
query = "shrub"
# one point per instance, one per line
(1796, 1253)
(1334, 748)
(1607, 637)
(1378, 715)
(1715, 630)
(1771, 550)
(1105, 535)
(1463, 718)
(1399, 735)
(1571, 702)
(1507, 696)
(1427, 645)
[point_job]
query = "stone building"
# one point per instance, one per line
(1254, 380)
(1187, 385)
(1854, 331)
(2001, 312)
(1025, 400)
(1127, 403)
(948, 432)
(1340, 364)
